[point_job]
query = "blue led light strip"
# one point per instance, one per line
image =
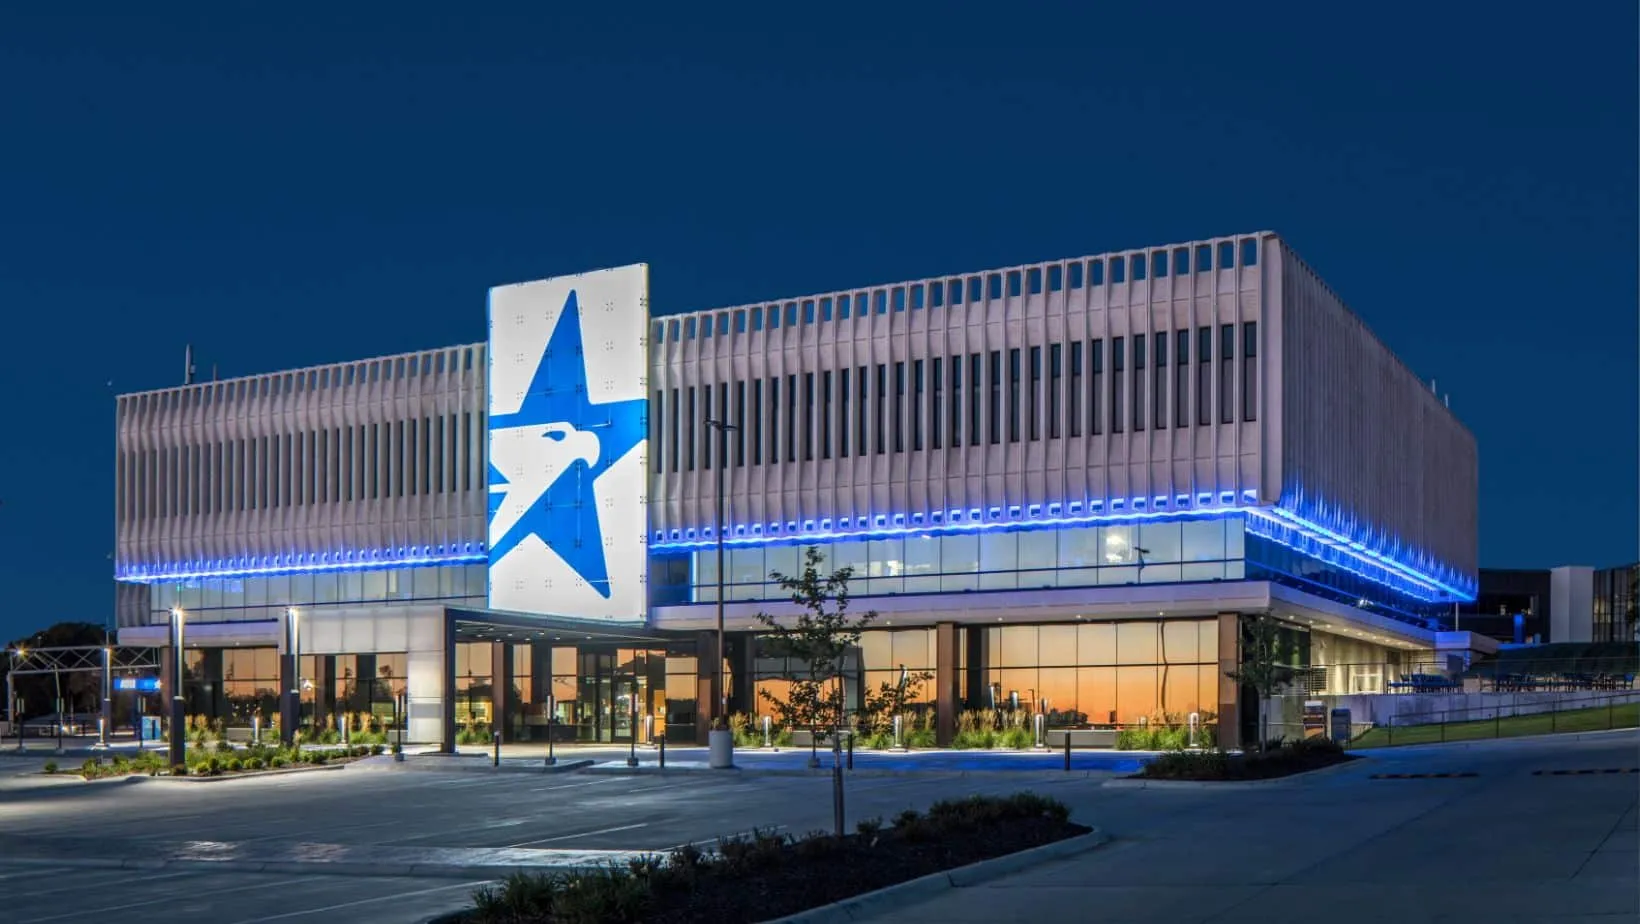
(470, 553)
(1378, 568)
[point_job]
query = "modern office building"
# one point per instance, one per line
(1062, 486)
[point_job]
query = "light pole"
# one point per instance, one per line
(722, 428)
(179, 722)
(293, 702)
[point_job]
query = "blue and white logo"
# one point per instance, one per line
(567, 436)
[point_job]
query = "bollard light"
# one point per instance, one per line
(768, 726)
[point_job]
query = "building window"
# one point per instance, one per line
(1118, 367)
(774, 420)
(1204, 382)
(861, 413)
(1181, 378)
(1056, 376)
(916, 408)
(1158, 394)
(899, 407)
(844, 422)
(1013, 395)
(956, 401)
(994, 418)
(1096, 386)
(808, 417)
(936, 413)
(791, 418)
(1138, 382)
(756, 436)
(740, 425)
(1034, 403)
(656, 419)
(1073, 407)
(689, 445)
(1249, 371)
(825, 414)
(974, 404)
(1227, 365)
(882, 409)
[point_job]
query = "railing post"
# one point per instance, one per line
(496, 760)
(662, 743)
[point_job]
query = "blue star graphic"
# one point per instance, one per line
(564, 515)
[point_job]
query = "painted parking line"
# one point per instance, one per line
(1467, 774)
(570, 837)
(1586, 772)
(280, 882)
(394, 897)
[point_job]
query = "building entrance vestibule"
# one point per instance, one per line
(620, 693)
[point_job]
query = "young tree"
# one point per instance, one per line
(1261, 666)
(817, 641)
(890, 698)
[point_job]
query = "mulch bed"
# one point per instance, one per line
(857, 867)
(1253, 766)
(801, 880)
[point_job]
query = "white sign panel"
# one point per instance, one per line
(568, 480)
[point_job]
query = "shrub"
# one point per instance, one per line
(611, 895)
(375, 749)
(254, 763)
(233, 765)
(224, 747)
(179, 769)
(280, 761)
(868, 827)
(1018, 738)
(519, 897)
(51, 766)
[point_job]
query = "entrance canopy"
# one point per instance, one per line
(500, 626)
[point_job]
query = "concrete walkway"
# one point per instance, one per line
(1515, 843)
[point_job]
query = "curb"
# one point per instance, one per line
(731, 772)
(895, 897)
(409, 767)
(1128, 782)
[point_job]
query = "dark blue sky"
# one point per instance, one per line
(283, 190)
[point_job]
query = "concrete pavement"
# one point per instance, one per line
(1512, 844)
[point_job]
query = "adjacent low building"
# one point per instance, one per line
(1063, 487)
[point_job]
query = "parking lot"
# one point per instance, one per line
(1507, 841)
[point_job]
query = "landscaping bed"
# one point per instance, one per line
(1210, 766)
(221, 761)
(764, 875)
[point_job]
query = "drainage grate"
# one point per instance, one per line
(1586, 772)
(1423, 776)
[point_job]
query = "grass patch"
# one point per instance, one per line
(765, 875)
(1212, 766)
(1599, 718)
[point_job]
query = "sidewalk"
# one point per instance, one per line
(796, 760)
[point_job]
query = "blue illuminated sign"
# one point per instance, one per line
(136, 684)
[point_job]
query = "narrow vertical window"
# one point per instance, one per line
(1056, 376)
(825, 410)
(708, 440)
(1118, 370)
(845, 421)
(881, 441)
(1073, 406)
(1033, 423)
(1249, 371)
(808, 417)
(774, 420)
(1013, 395)
(862, 385)
(1227, 373)
(1181, 378)
(916, 409)
(672, 424)
(1204, 372)
(1158, 392)
(1139, 408)
(936, 412)
(994, 420)
(899, 407)
(956, 401)
(756, 436)
(791, 411)
(657, 409)
(1096, 386)
(691, 424)
(740, 424)
(975, 404)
